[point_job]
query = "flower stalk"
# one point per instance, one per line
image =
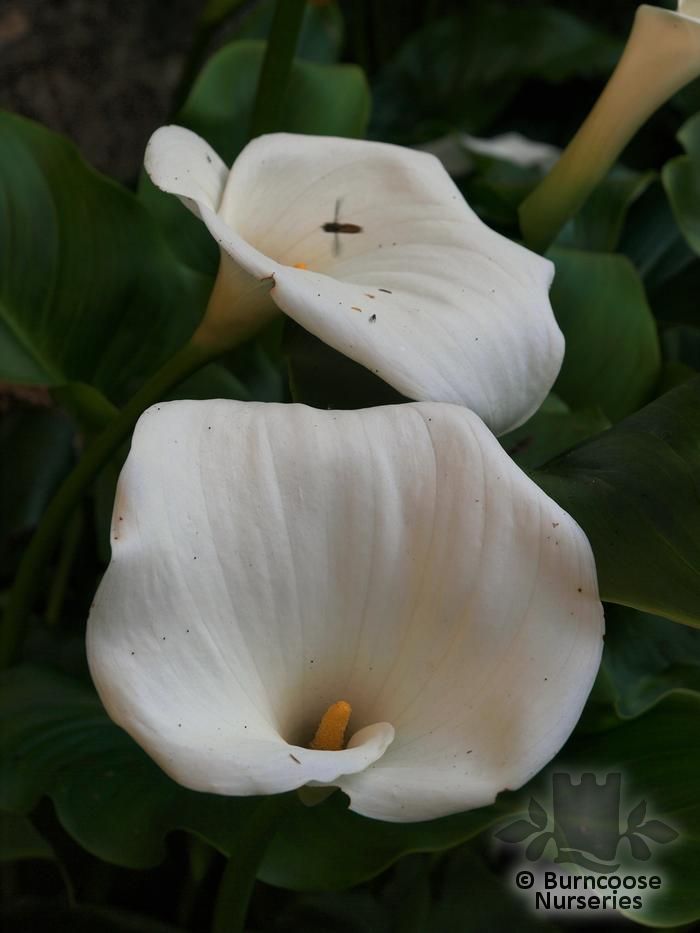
(662, 55)
(274, 75)
(238, 879)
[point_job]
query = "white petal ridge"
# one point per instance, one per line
(423, 293)
(269, 560)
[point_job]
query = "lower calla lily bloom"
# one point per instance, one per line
(372, 248)
(377, 600)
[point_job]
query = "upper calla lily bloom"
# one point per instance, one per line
(378, 600)
(372, 248)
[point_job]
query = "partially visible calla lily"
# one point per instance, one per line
(278, 571)
(661, 56)
(372, 248)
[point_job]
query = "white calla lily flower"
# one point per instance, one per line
(279, 570)
(372, 248)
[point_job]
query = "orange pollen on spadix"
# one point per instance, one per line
(300, 265)
(330, 735)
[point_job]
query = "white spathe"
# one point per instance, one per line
(269, 560)
(689, 9)
(423, 294)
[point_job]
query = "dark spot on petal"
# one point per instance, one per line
(294, 758)
(386, 291)
(373, 318)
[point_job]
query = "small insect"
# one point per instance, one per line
(335, 227)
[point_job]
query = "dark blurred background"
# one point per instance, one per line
(107, 73)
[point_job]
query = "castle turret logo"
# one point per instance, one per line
(587, 824)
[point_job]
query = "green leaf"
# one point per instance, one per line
(652, 241)
(518, 831)
(463, 70)
(599, 224)
(89, 292)
(473, 897)
(367, 846)
(56, 740)
(20, 840)
(681, 179)
(551, 431)
(325, 100)
(646, 658)
(635, 491)
(612, 358)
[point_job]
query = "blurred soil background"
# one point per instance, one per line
(106, 74)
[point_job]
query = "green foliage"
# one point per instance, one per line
(56, 740)
(99, 286)
(551, 431)
(461, 71)
(681, 179)
(612, 355)
(89, 291)
(635, 492)
(646, 658)
(599, 224)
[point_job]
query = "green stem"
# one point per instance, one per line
(59, 584)
(277, 64)
(661, 56)
(239, 876)
(186, 361)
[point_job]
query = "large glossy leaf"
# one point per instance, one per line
(599, 223)
(89, 291)
(324, 100)
(56, 740)
(646, 658)
(551, 431)
(612, 357)
(367, 846)
(635, 490)
(652, 241)
(681, 179)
